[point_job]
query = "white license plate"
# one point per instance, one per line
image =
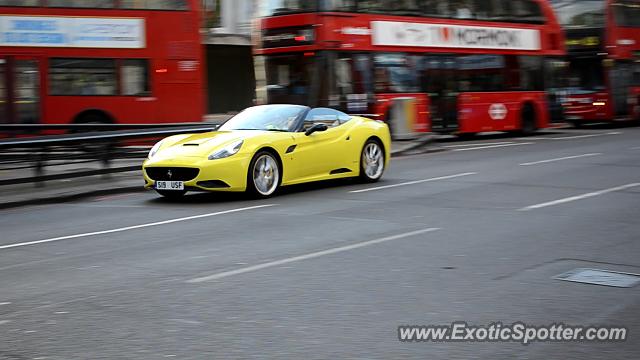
(169, 185)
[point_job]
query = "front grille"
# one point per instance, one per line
(172, 173)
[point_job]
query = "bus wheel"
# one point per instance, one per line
(100, 149)
(528, 120)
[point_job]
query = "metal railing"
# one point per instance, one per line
(93, 144)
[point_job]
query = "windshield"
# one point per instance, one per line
(283, 7)
(267, 118)
(580, 13)
(585, 76)
(290, 79)
(627, 13)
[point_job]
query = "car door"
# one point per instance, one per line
(317, 155)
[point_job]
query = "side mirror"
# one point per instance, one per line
(315, 128)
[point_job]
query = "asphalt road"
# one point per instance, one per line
(475, 233)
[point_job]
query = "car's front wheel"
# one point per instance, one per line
(372, 161)
(264, 175)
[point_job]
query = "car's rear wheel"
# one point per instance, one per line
(172, 194)
(264, 175)
(372, 161)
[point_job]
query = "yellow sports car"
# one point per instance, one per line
(265, 147)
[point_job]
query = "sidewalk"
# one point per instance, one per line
(58, 191)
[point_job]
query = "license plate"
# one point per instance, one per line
(169, 185)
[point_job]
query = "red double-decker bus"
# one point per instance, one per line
(100, 61)
(603, 62)
(461, 67)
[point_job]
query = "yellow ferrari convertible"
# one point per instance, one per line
(265, 147)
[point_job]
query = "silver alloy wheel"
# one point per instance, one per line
(266, 175)
(373, 160)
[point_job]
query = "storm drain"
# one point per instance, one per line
(600, 277)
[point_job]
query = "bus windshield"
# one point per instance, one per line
(580, 13)
(585, 76)
(627, 13)
(289, 78)
(283, 7)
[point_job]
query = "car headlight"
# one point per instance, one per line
(155, 149)
(227, 151)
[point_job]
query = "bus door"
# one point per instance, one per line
(19, 90)
(620, 82)
(442, 85)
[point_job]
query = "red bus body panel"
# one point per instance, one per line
(172, 46)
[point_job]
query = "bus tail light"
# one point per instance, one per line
(599, 103)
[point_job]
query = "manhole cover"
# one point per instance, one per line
(600, 277)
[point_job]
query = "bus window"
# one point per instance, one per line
(396, 72)
(282, 7)
(27, 91)
(155, 4)
(4, 118)
(338, 5)
(627, 13)
(72, 77)
(290, 78)
(585, 13)
(437, 8)
(351, 85)
(19, 2)
(82, 3)
(532, 75)
(135, 78)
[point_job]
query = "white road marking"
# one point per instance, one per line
(583, 136)
(5, 303)
(2, 322)
(133, 227)
(493, 146)
(478, 144)
(635, 148)
(412, 182)
(560, 159)
(309, 256)
(580, 197)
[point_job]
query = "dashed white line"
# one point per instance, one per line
(580, 197)
(584, 136)
(309, 256)
(560, 159)
(478, 144)
(493, 146)
(3, 247)
(413, 182)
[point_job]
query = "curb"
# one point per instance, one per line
(57, 199)
(71, 197)
(415, 145)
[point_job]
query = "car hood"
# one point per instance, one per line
(202, 145)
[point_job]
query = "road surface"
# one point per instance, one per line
(475, 233)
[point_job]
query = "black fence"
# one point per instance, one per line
(81, 143)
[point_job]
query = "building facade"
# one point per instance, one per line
(226, 35)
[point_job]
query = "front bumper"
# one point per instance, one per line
(229, 175)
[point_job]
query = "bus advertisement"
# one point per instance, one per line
(450, 67)
(100, 61)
